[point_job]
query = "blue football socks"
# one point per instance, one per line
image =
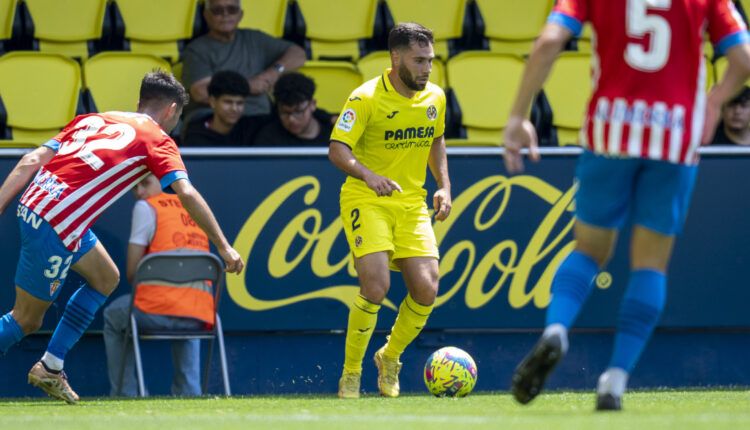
(639, 312)
(10, 332)
(570, 288)
(77, 317)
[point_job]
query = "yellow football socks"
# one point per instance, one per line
(362, 318)
(409, 323)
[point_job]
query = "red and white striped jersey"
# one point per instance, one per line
(648, 72)
(99, 158)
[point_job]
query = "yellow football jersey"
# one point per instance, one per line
(391, 134)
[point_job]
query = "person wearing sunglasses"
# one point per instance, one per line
(259, 57)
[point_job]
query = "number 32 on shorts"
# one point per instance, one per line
(56, 262)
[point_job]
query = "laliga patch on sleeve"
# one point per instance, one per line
(347, 120)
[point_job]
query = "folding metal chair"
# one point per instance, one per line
(178, 267)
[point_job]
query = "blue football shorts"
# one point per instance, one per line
(44, 261)
(650, 193)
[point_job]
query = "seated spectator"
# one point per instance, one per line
(734, 128)
(226, 126)
(158, 226)
(260, 58)
(299, 122)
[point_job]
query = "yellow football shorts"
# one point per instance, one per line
(402, 227)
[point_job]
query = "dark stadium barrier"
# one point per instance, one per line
(286, 316)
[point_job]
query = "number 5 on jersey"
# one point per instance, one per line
(640, 23)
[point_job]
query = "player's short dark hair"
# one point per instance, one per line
(293, 88)
(162, 87)
(403, 34)
(741, 97)
(207, 3)
(228, 82)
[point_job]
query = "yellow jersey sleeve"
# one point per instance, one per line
(440, 124)
(391, 134)
(353, 119)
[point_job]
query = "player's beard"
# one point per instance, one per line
(406, 78)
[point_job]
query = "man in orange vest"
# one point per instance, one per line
(160, 223)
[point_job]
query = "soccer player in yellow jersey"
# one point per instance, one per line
(389, 131)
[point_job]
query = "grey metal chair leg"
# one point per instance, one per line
(137, 354)
(126, 343)
(207, 366)
(223, 356)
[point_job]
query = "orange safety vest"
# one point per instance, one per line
(176, 230)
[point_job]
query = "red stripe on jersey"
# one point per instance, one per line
(94, 209)
(29, 192)
(100, 196)
(607, 129)
(91, 169)
(665, 144)
(650, 52)
(625, 139)
(83, 195)
(646, 138)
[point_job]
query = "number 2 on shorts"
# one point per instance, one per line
(355, 219)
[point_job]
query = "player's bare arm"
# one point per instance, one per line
(198, 209)
(438, 162)
(519, 132)
(20, 176)
(737, 73)
(342, 157)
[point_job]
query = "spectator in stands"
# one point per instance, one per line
(159, 224)
(299, 122)
(260, 58)
(734, 128)
(226, 125)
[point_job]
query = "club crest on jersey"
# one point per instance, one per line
(53, 286)
(358, 241)
(431, 112)
(346, 122)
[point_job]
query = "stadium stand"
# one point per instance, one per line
(744, 6)
(508, 28)
(335, 31)
(334, 81)
(446, 19)
(156, 27)
(483, 85)
(57, 27)
(40, 93)
(177, 70)
(8, 22)
(331, 33)
(113, 79)
(269, 16)
(374, 63)
(567, 90)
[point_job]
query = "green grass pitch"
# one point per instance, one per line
(683, 410)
